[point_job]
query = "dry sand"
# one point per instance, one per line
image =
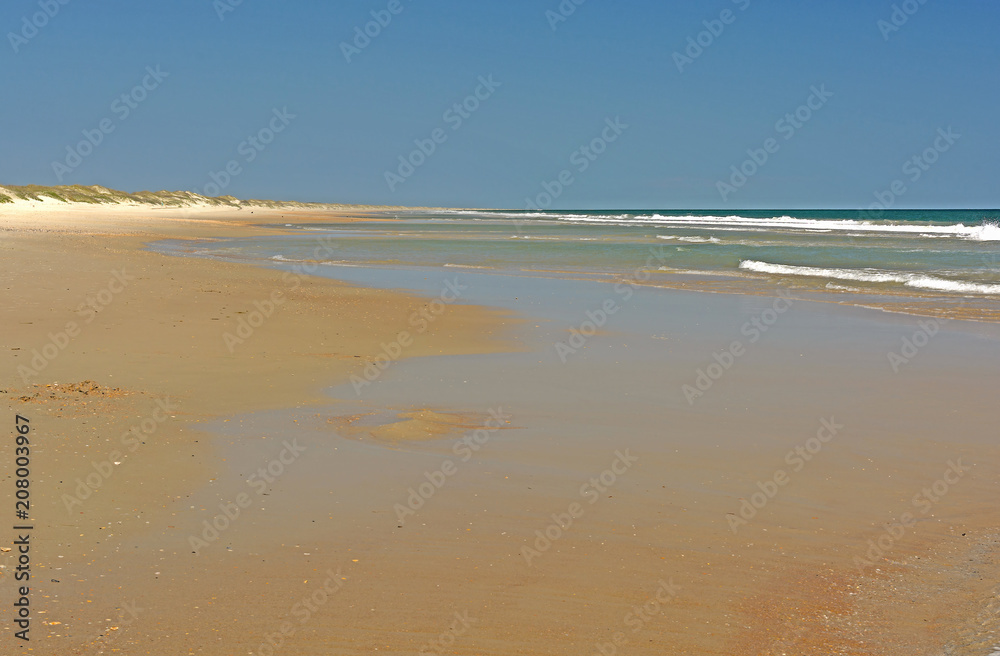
(114, 574)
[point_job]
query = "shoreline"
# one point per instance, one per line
(915, 301)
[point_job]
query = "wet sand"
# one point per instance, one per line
(155, 335)
(332, 552)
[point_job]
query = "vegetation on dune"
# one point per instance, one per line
(103, 196)
(97, 195)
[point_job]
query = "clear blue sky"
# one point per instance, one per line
(606, 60)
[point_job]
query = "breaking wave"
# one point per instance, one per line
(916, 280)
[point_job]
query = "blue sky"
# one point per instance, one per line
(557, 88)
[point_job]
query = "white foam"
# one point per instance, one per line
(988, 231)
(692, 240)
(985, 232)
(512, 215)
(920, 281)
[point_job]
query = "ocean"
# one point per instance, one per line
(904, 255)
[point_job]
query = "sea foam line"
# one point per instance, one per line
(987, 231)
(691, 240)
(920, 281)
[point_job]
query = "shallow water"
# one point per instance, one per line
(948, 261)
(766, 371)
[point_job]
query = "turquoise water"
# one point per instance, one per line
(938, 252)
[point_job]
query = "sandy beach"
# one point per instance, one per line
(147, 345)
(197, 488)
(497, 329)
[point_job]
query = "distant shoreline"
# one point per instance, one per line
(99, 195)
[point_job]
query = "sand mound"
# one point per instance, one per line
(412, 425)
